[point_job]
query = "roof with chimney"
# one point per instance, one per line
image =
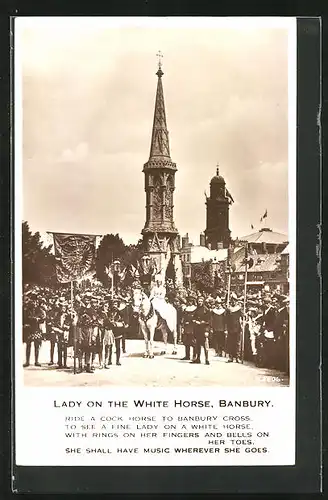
(266, 235)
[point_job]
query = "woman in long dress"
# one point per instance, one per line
(157, 297)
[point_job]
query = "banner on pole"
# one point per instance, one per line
(75, 256)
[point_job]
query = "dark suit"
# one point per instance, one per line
(201, 320)
(118, 326)
(188, 336)
(234, 329)
(219, 326)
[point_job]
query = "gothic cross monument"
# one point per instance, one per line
(160, 236)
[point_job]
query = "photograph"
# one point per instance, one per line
(154, 203)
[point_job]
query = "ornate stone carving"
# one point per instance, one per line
(168, 212)
(154, 244)
(157, 198)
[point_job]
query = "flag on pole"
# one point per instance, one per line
(264, 216)
(75, 256)
(252, 227)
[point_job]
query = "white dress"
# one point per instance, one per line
(157, 297)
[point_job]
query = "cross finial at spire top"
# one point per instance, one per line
(217, 169)
(160, 57)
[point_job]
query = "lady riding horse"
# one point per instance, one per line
(150, 319)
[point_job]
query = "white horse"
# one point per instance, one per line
(149, 319)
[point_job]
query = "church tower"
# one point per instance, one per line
(217, 232)
(160, 236)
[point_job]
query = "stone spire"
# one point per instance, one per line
(160, 236)
(159, 147)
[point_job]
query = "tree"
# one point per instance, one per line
(111, 248)
(202, 276)
(38, 261)
(132, 256)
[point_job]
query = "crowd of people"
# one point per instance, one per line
(93, 321)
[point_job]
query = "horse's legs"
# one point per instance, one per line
(151, 328)
(164, 335)
(79, 355)
(100, 354)
(174, 342)
(145, 334)
(151, 339)
(175, 337)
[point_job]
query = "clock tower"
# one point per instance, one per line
(217, 232)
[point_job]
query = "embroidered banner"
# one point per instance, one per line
(75, 256)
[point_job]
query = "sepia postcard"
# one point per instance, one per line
(155, 241)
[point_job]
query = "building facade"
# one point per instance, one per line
(195, 257)
(269, 269)
(160, 235)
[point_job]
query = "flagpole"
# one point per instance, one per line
(74, 326)
(244, 305)
(112, 285)
(229, 275)
(229, 287)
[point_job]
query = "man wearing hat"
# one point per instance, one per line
(218, 326)
(107, 336)
(118, 327)
(188, 337)
(201, 321)
(233, 322)
(64, 325)
(282, 335)
(87, 332)
(125, 311)
(33, 317)
(268, 326)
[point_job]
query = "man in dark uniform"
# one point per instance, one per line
(64, 325)
(268, 327)
(33, 317)
(87, 333)
(201, 321)
(218, 326)
(118, 327)
(52, 312)
(188, 337)
(282, 336)
(107, 337)
(233, 319)
(125, 312)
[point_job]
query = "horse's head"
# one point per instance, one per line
(137, 300)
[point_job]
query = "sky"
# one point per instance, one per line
(88, 94)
